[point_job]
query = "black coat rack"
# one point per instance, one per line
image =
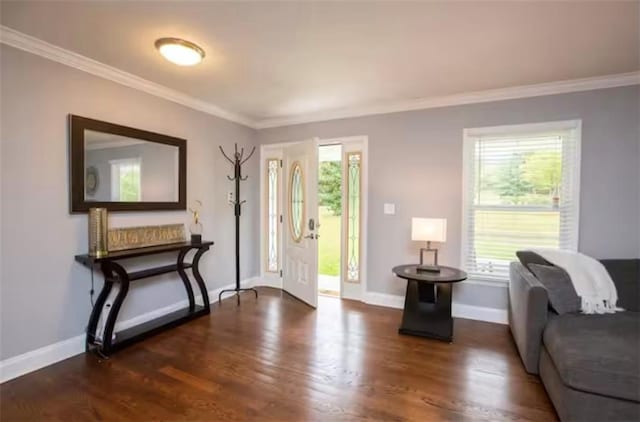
(238, 161)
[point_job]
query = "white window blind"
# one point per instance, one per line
(521, 191)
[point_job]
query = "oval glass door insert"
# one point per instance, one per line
(296, 202)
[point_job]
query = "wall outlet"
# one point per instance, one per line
(230, 198)
(390, 209)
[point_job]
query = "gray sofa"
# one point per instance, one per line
(589, 364)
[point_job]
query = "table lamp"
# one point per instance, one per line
(429, 230)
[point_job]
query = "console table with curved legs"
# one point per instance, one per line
(100, 330)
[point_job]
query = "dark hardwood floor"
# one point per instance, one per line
(277, 359)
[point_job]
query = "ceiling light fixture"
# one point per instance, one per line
(180, 52)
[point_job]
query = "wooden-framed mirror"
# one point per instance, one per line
(125, 169)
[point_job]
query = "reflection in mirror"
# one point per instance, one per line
(122, 169)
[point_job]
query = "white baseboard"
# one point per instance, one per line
(265, 282)
(480, 313)
(157, 313)
(458, 310)
(383, 299)
(33, 360)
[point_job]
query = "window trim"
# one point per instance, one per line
(278, 233)
(470, 135)
(346, 211)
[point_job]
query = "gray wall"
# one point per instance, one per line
(44, 293)
(415, 161)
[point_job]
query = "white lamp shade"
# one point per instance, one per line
(429, 229)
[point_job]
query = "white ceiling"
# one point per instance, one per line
(268, 60)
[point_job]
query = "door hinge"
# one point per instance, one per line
(280, 163)
(280, 273)
(280, 218)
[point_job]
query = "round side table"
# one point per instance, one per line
(427, 303)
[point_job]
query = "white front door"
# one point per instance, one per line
(300, 260)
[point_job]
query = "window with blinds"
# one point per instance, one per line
(521, 191)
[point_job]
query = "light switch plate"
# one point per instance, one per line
(390, 209)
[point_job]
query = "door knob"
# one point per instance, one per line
(309, 236)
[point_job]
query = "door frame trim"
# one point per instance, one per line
(362, 139)
(357, 294)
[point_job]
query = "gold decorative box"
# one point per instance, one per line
(144, 236)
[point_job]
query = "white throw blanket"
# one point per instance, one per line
(590, 279)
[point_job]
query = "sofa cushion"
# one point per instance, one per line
(625, 274)
(562, 295)
(597, 353)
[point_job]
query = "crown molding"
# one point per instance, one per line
(511, 93)
(44, 49)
